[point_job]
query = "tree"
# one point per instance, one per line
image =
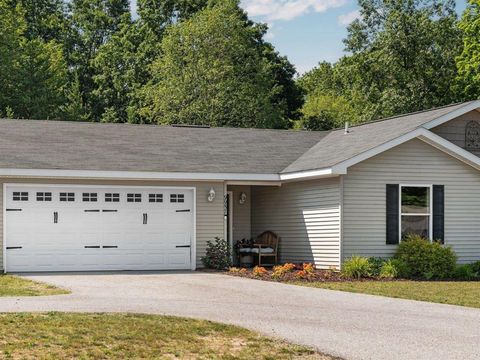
(33, 74)
(74, 108)
(94, 22)
(468, 62)
(212, 72)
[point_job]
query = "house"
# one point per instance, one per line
(89, 196)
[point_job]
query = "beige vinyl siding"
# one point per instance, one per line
(241, 213)
(454, 130)
(414, 162)
(209, 215)
(306, 215)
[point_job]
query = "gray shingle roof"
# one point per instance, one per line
(338, 146)
(34, 144)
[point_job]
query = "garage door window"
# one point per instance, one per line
(89, 197)
(177, 198)
(155, 198)
(20, 196)
(134, 197)
(112, 197)
(44, 196)
(64, 196)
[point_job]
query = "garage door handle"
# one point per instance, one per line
(55, 217)
(145, 218)
(91, 210)
(13, 247)
(14, 209)
(182, 246)
(187, 210)
(92, 246)
(109, 210)
(110, 247)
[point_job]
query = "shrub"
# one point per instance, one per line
(259, 271)
(476, 267)
(218, 255)
(426, 260)
(465, 272)
(357, 267)
(376, 265)
(301, 274)
(401, 267)
(388, 270)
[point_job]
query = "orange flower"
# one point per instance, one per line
(259, 271)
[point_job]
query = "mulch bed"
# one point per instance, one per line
(317, 276)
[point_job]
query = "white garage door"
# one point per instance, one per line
(79, 228)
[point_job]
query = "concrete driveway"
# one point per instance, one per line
(352, 326)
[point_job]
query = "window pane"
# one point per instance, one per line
(415, 200)
(415, 225)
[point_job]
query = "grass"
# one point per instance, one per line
(455, 293)
(128, 336)
(17, 286)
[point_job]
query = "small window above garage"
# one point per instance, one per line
(134, 197)
(20, 196)
(112, 197)
(67, 196)
(155, 198)
(44, 196)
(89, 197)
(177, 198)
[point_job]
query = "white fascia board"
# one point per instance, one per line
(452, 115)
(309, 174)
(422, 134)
(450, 148)
(344, 165)
(135, 175)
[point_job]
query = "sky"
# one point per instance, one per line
(306, 31)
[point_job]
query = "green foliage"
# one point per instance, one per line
(468, 62)
(376, 265)
(218, 254)
(465, 272)
(402, 60)
(357, 267)
(212, 73)
(426, 260)
(388, 270)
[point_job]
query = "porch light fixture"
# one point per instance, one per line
(243, 198)
(211, 195)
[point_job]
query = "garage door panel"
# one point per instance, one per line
(61, 235)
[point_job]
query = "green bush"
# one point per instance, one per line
(376, 265)
(401, 267)
(388, 270)
(357, 267)
(426, 260)
(218, 254)
(465, 272)
(476, 267)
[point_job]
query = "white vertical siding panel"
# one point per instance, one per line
(364, 212)
(306, 215)
(209, 215)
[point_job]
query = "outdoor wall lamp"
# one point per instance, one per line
(243, 198)
(211, 195)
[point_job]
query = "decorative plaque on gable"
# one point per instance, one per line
(472, 136)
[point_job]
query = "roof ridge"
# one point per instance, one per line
(406, 114)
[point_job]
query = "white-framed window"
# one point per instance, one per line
(89, 197)
(416, 210)
(134, 197)
(67, 196)
(20, 196)
(177, 198)
(44, 196)
(112, 197)
(155, 198)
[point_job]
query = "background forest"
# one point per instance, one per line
(206, 62)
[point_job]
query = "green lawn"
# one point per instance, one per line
(123, 336)
(456, 293)
(17, 286)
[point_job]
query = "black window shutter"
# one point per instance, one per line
(393, 214)
(439, 213)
